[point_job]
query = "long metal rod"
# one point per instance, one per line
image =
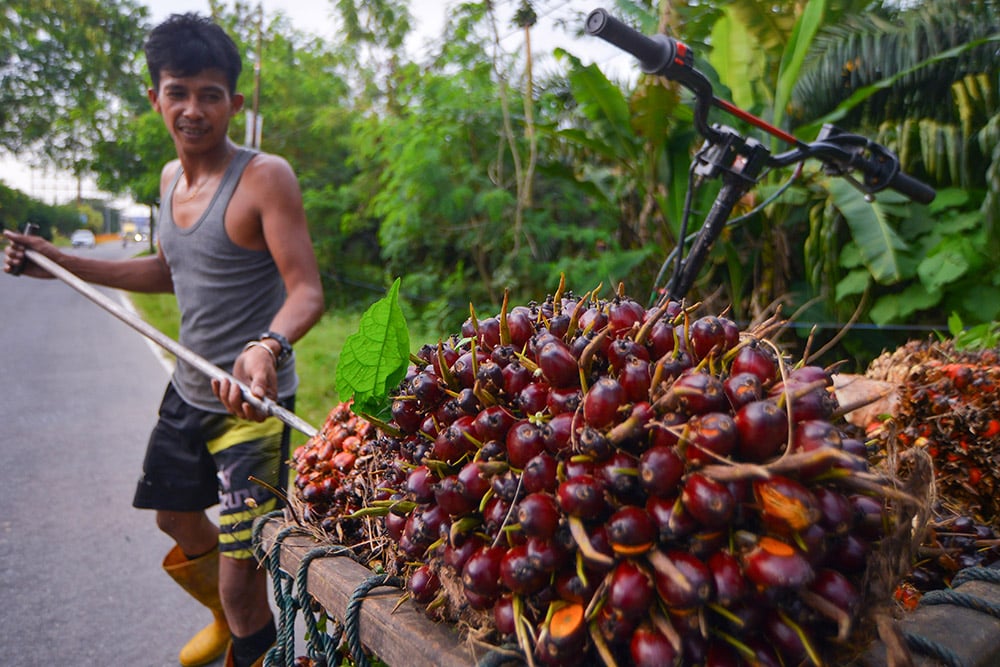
(265, 405)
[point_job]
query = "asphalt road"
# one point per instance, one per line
(80, 568)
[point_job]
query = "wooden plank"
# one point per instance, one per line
(402, 636)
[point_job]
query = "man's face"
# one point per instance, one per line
(196, 109)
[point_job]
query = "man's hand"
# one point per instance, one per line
(14, 256)
(255, 369)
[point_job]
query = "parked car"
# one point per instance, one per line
(83, 238)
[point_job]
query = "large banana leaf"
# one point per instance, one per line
(878, 242)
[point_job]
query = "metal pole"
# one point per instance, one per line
(265, 405)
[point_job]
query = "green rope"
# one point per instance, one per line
(352, 617)
(936, 650)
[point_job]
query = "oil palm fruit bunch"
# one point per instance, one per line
(595, 480)
(334, 477)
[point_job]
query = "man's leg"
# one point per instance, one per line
(194, 564)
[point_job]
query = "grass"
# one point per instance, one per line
(316, 354)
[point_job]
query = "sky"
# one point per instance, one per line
(314, 16)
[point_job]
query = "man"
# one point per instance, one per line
(235, 249)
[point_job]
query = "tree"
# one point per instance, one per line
(69, 70)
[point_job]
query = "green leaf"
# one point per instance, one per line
(795, 54)
(897, 307)
(374, 359)
(947, 263)
(733, 53)
(876, 239)
(855, 282)
(948, 198)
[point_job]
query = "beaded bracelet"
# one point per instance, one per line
(257, 343)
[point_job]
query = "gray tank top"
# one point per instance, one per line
(227, 295)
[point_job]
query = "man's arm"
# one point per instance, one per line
(139, 274)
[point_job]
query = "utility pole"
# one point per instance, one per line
(256, 77)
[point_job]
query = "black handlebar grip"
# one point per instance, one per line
(654, 54)
(916, 190)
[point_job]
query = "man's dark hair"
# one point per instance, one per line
(186, 44)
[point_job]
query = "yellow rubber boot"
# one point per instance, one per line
(200, 578)
(259, 662)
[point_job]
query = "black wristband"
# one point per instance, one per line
(285, 353)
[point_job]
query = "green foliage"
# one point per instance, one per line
(375, 358)
(980, 337)
(70, 69)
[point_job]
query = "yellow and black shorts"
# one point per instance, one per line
(196, 459)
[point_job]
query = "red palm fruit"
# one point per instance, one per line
(593, 319)
(834, 587)
(621, 350)
(481, 573)
(538, 514)
(406, 415)
(650, 648)
(706, 336)
(558, 364)
(661, 339)
(731, 332)
(871, 519)
(427, 389)
(546, 554)
(836, 514)
(558, 325)
(698, 393)
(786, 637)
(721, 654)
(563, 400)
(727, 575)
(672, 521)
(464, 368)
(613, 625)
(492, 423)
(710, 436)
(474, 484)
(634, 378)
(479, 601)
(429, 426)
(533, 398)
(601, 403)
(518, 573)
(763, 431)
(448, 410)
(448, 494)
(665, 431)
(786, 506)
(593, 444)
(620, 475)
(504, 617)
(394, 525)
(774, 564)
(490, 377)
(448, 354)
(455, 555)
(540, 474)
(570, 587)
(848, 553)
(682, 580)
(420, 484)
(631, 531)
(708, 501)
(582, 496)
(515, 378)
(488, 333)
(757, 360)
(673, 365)
(495, 514)
(630, 589)
(557, 433)
(660, 471)
(423, 584)
(743, 388)
(623, 314)
(524, 442)
(564, 638)
(578, 466)
(452, 443)
(521, 326)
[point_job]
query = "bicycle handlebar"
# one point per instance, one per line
(663, 56)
